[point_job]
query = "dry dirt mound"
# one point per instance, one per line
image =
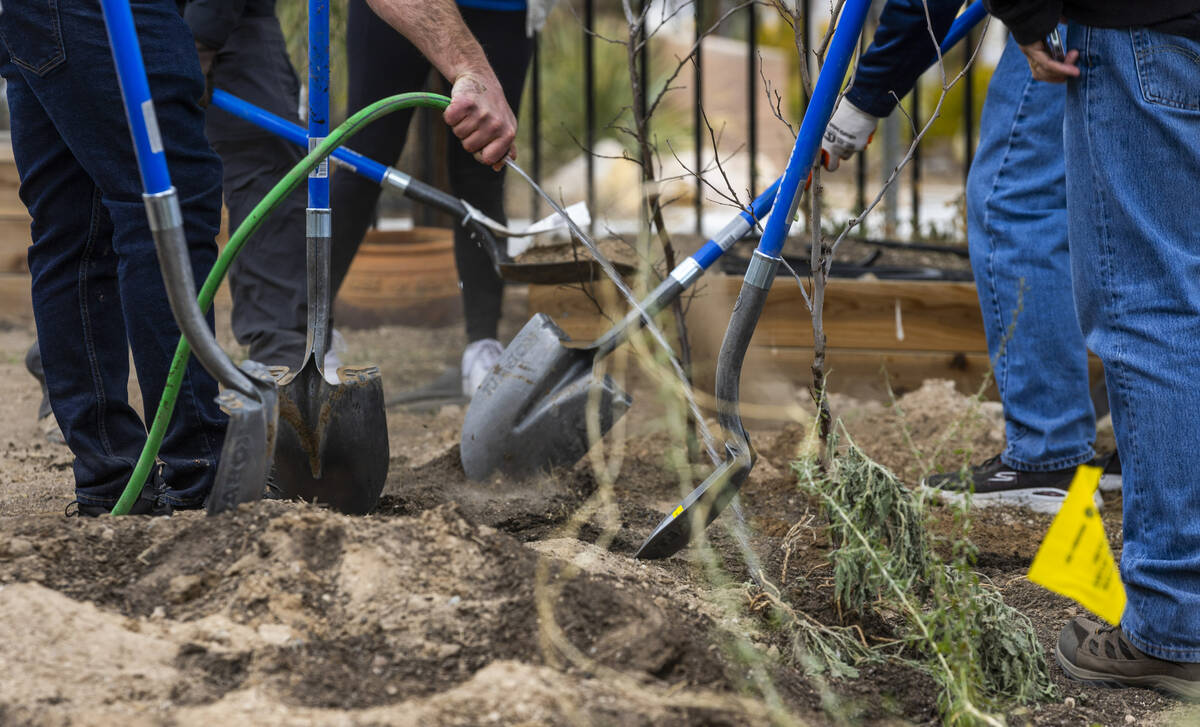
(286, 612)
(932, 429)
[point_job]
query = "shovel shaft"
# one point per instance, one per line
(363, 166)
(812, 128)
(135, 93)
(347, 158)
(686, 273)
(381, 174)
(318, 98)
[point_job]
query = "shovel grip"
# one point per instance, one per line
(816, 117)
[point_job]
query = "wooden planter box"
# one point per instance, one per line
(912, 330)
(404, 277)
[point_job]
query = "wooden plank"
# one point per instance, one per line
(862, 333)
(775, 380)
(933, 316)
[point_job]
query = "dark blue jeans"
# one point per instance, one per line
(97, 290)
(1017, 227)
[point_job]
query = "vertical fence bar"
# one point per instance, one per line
(535, 140)
(589, 106)
(752, 94)
(697, 120)
(969, 105)
(915, 165)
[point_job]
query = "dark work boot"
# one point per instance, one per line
(151, 501)
(1100, 654)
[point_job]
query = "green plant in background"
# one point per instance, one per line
(562, 87)
(983, 654)
(293, 17)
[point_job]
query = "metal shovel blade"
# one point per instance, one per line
(253, 423)
(531, 412)
(332, 446)
(706, 501)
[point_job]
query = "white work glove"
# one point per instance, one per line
(849, 132)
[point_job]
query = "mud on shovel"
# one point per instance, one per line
(530, 413)
(332, 446)
(249, 396)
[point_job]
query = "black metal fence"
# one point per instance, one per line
(750, 19)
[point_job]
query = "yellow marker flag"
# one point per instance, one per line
(1074, 558)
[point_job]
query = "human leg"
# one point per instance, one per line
(380, 63)
(268, 278)
(1017, 231)
(502, 36)
(1132, 118)
(97, 287)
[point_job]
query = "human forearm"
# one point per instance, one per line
(437, 29)
(478, 114)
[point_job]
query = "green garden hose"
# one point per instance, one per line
(266, 206)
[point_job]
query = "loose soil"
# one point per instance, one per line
(460, 603)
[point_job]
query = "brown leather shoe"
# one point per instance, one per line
(1100, 654)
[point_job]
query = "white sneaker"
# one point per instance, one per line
(333, 358)
(478, 360)
(1111, 479)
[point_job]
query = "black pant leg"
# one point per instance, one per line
(381, 63)
(502, 35)
(268, 279)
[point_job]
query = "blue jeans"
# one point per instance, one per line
(1017, 229)
(1133, 171)
(97, 291)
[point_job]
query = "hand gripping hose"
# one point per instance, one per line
(273, 199)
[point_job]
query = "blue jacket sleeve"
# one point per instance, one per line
(900, 52)
(212, 21)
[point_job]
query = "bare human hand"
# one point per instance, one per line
(1045, 68)
(481, 118)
